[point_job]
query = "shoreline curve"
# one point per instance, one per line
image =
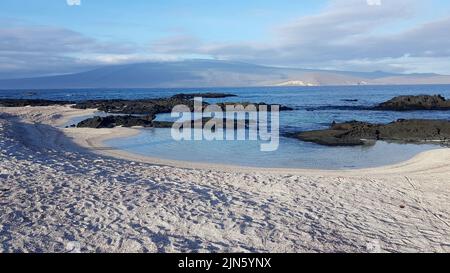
(94, 141)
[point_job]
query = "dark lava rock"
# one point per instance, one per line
(203, 95)
(27, 102)
(162, 124)
(223, 105)
(147, 107)
(113, 121)
(410, 103)
(229, 123)
(401, 103)
(152, 107)
(356, 133)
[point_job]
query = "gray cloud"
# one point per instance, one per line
(31, 51)
(56, 40)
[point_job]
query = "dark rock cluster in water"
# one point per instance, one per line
(356, 133)
(144, 107)
(113, 121)
(410, 103)
(344, 134)
(224, 123)
(400, 103)
(149, 109)
(223, 105)
(203, 95)
(134, 121)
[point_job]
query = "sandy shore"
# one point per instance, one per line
(61, 188)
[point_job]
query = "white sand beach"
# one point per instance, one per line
(64, 187)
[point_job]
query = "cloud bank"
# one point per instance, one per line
(344, 35)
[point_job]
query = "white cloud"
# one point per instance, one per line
(73, 2)
(374, 2)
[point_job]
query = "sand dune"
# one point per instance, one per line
(63, 190)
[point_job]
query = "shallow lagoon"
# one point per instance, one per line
(292, 153)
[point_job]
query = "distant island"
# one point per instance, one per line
(214, 73)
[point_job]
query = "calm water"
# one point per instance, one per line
(292, 153)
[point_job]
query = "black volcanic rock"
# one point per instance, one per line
(229, 123)
(154, 106)
(356, 133)
(410, 103)
(146, 107)
(162, 124)
(223, 105)
(183, 96)
(113, 121)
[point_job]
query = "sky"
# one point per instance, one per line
(48, 37)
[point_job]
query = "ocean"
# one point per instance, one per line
(315, 108)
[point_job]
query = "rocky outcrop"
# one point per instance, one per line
(131, 121)
(223, 105)
(113, 121)
(410, 103)
(359, 133)
(150, 107)
(229, 123)
(146, 107)
(183, 96)
(400, 103)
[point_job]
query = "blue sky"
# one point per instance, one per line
(142, 20)
(42, 37)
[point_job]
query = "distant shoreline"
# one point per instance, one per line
(215, 73)
(193, 89)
